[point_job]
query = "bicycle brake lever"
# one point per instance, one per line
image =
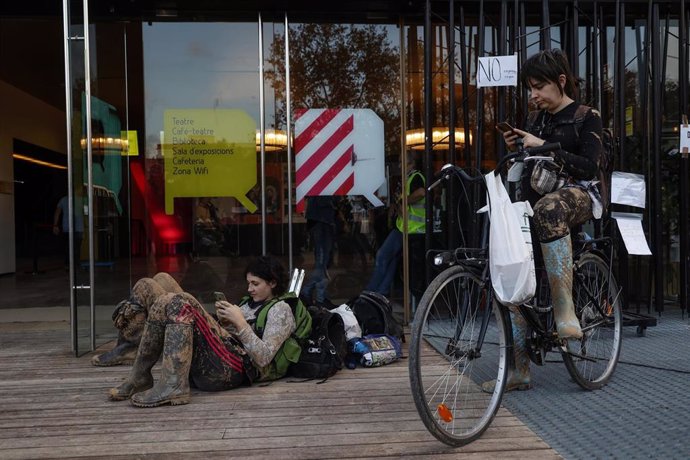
(435, 184)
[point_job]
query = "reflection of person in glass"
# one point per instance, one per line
(271, 200)
(208, 227)
(388, 254)
(253, 341)
(354, 213)
(321, 215)
(61, 223)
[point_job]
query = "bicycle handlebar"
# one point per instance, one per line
(449, 169)
(523, 152)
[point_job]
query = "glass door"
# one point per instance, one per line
(198, 179)
(115, 128)
(78, 200)
(341, 94)
(100, 144)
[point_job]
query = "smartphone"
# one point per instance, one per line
(504, 127)
(219, 296)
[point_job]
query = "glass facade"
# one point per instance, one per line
(191, 139)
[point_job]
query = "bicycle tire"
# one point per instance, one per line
(446, 373)
(592, 360)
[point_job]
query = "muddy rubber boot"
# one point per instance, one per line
(558, 260)
(124, 352)
(173, 387)
(140, 377)
(518, 373)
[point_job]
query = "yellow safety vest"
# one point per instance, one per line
(416, 212)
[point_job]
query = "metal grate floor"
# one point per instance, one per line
(642, 413)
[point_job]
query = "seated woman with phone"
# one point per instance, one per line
(252, 341)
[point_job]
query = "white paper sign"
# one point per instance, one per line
(497, 71)
(684, 138)
(630, 228)
(628, 188)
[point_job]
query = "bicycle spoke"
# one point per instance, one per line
(592, 359)
(458, 343)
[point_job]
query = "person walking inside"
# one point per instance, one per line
(61, 224)
(321, 215)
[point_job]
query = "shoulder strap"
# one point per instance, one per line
(244, 300)
(298, 310)
(581, 113)
(413, 173)
(578, 118)
(532, 119)
(260, 321)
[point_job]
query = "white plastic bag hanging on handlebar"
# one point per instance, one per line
(511, 260)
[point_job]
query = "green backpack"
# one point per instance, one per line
(290, 351)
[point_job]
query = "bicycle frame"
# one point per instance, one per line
(589, 247)
(475, 260)
(458, 385)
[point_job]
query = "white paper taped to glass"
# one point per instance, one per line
(628, 189)
(630, 228)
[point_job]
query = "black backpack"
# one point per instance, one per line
(606, 166)
(323, 352)
(374, 314)
(608, 150)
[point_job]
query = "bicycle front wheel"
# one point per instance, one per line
(459, 340)
(592, 359)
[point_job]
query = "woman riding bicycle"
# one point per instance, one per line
(558, 118)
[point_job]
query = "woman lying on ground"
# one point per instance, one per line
(252, 341)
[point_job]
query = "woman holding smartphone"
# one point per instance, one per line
(217, 354)
(576, 199)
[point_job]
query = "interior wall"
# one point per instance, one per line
(28, 118)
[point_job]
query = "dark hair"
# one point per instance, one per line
(546, 66)
(269, 269)
(415, 157)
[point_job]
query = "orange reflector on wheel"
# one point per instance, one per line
(609, 308)
(444, 413)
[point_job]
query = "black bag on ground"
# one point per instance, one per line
(323, 352)
(374, 314)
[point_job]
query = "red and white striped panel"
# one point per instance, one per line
(323, 153)
(338, 152)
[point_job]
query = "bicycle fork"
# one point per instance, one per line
(465, 316)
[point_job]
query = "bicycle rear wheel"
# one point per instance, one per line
(459, 340)
(592, 359)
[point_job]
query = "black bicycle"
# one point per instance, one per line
(462, 336)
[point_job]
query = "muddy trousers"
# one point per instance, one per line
(195, 348)
(130, 315)
(554, 215)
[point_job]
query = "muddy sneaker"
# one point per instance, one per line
(513, 384)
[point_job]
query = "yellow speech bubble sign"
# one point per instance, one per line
(209, 152)
(130, 143)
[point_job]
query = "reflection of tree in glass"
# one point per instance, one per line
(340, 66)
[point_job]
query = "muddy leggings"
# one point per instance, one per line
(218, 360)
(130, 314)
(147, 290)
(557, 212)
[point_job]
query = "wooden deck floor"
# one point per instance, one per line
(53, 405)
